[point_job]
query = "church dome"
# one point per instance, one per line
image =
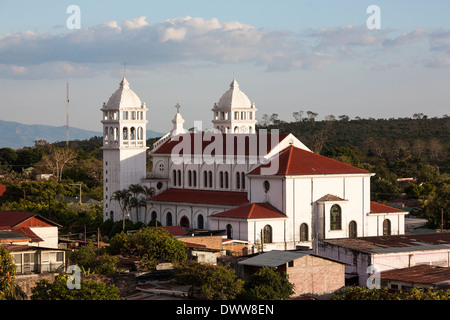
(234, 98)
(124, 97)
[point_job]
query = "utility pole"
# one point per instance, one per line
(98, 241)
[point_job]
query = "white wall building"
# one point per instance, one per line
(263, 188)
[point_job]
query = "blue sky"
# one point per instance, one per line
(286, 55)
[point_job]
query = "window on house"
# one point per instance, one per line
(229, 231)
(335, 217)
(352, 230)
(266, 186)
(226, 179)
(210, 179)
(243, 180)
(205, 179)
(386, 227)
(194, 178)
(238, 182)
(200, 222)
(267, 234)
(190, 178)
(179, 178)
(174, 177)
(304, 232)
(221, 179)
(169, 219)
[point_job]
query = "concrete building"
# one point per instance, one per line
(308, 273)
(366, 257)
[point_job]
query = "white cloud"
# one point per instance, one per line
(187, 40)
(136, 23)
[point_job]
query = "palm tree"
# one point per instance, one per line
(135, 190)
(123, 197)
(146, 192)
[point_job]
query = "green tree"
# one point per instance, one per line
(268, 284)
(150, 245)
(86, 258)
(9, 290)
(89, 290)
(209, 282)
(359, 293)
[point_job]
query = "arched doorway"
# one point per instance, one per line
(200, 222)
(184, 222)
(386, 227)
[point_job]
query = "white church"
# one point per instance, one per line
(259, 188)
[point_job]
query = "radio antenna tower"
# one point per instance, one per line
(67, 116)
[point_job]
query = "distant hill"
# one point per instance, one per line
(17, 135)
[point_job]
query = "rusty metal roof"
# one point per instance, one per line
(395, 243)
(424, 274)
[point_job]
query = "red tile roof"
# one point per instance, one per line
(175, 230)
(252, 211)
(296, 161)
(2, 189)
(382, 208)
(202, 196)
(15, 219)
(202, 140)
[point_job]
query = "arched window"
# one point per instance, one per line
(386, 227)
(169, 219)
(335, 217)
(179, 177)
(210, 179)
(184, 222)
(132, 133)
(190, 178)
(200, 222)
(194, 173)
(226, 179)
(267, 234)
(243, 180)
(238, 182)
(352, 230)
(125, 133)
(229, 231)
(304, 232)
(140, 134)
(221, 179)
(266, 186)
(174, 177)
(236, 129)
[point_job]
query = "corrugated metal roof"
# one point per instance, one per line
(419, 274)
(395, 243)
(273, 258)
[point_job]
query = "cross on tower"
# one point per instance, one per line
(178, 108)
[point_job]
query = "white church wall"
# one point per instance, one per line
(274, 195)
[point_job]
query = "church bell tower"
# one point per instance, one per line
(124, 146)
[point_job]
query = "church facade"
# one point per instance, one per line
(263, 189)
